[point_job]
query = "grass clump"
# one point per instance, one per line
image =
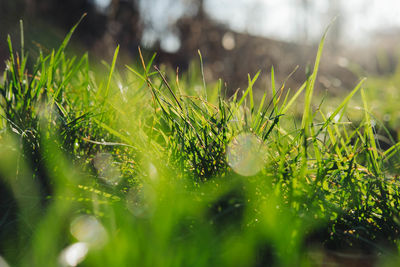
(137, 168)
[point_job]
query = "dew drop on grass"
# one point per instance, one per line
(103, 162)
(74, 254)
(246, 154)
(89, 230)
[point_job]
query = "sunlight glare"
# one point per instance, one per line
(102, 4)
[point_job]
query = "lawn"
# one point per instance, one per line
(142, 166)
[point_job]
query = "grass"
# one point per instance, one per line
(139, 167)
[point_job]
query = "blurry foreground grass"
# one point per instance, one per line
(138, 167)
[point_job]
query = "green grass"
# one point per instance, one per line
(139, 167)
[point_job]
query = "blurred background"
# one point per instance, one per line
(235, 37)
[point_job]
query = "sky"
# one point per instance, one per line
(279, 19)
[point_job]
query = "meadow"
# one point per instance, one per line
(142, 165)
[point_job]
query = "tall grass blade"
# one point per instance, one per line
(369, 134)
(68, 38)
(274, 93)
(294, 98)
(202, 74)
(310, 87)
(114, 61)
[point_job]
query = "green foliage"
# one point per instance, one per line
(135, 168)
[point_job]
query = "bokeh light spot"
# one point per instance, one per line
(140, 201)
(89, 230)
(3, 262)
(228, 41)
(107, 171)
(246, 154)
(74, 254)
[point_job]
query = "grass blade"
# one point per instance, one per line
(111, 72)
(310, 87)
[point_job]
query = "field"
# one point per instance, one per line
(140, 165)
